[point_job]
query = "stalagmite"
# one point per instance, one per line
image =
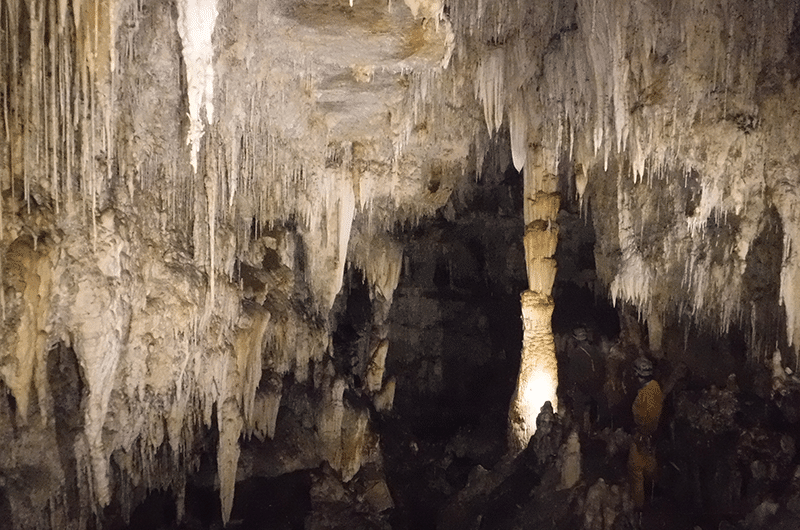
(538, 373)
(330, 423)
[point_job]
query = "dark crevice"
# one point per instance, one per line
(761, 284)
(455, 341)
(6, 515)
(694, 193)
(68, 390)
(351, 337)
(12, 405)
(793, 49)
(280, 503)
(158, 510)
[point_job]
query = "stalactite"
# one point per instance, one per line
(67, 81)
(381, 259)
(518, 131)
(384, 400)
(248, 350)
(211, 198)
(4, 10)
(489, 88)
(54, 140)
(265, 411)
(196, 22)
(230, 427)
(29, 270)
(376, 367)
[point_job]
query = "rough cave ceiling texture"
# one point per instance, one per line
(183, 184)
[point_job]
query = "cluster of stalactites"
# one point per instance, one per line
(56, 79)
(161, 349)
(57, 87)
(654, 91)
(156, 356)
(247, 172)
(618, 77)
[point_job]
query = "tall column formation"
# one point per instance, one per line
(538, 372)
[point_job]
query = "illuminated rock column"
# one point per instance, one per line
(538, 371)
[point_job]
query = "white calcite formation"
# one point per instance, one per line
(150, 157)
(196, 20)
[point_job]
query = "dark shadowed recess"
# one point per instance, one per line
(68, 390)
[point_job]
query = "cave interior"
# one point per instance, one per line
(321, 264)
